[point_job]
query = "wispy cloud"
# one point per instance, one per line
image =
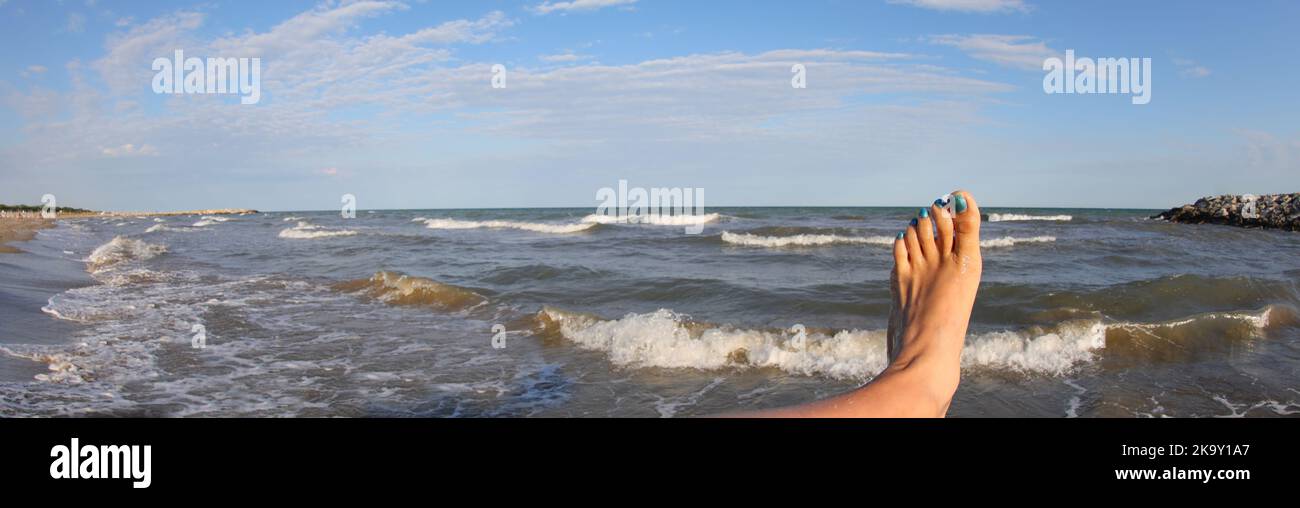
(76, 23)
(565, 57)
(1190, 69)
(981, 6)
(129, 150)
(1017, 51)
(578, 5)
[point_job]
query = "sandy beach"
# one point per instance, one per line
(19, 230)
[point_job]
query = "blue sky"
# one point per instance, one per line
(391, 101)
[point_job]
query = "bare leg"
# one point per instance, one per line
(936, 275)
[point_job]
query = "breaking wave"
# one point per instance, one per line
(667, 339)
(305, 230)
(1008, 241)
(805, 240)
(208, 221)
(399, 289)
(121, 249)
(535, 227)
(1006, 217)
(653, 219)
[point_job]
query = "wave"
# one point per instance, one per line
(208, 221)
(399, 289)
(804, 240)
(291, 218)
(1006, 217)
(666, 339)
(653, 219)
(121, 249)
(1008, 241)
(304, 231)
(535, 227)
(163, 227)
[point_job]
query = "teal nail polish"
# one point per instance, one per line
(925, 212)
(900, 235)
(913, 222)
(940, 203)
(961, 204)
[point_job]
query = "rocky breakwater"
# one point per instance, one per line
(1279, 211)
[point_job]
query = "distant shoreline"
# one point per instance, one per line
(22, 225)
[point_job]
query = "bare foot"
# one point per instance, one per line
(937, 267)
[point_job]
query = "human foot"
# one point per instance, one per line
(937, 267)
(933, 286)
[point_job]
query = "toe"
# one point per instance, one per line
(966, 224)
(901, 267)
(914, 256)
(942, 224)
(925, 234)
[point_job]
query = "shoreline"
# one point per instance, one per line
(22, 226)
(18, 230)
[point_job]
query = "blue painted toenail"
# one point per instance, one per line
(913, 222)
(900, 235)
(925, 212)
(961, 204)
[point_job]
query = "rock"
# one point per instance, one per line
(1277, 211)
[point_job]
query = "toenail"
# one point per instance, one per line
(925, 212)
(900, 235)
(961, 204)
(913, 222)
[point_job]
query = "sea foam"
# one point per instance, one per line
(653, 219)
(667, 339)
(306, 231)
(535, 227)
(121, 249)
(806, 240)
(1008, 241)
(1005, 217)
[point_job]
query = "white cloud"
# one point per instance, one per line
(566, 57)
(1190, 69)
(76, 23)
(32, 70)
(334, 98)
(578, 5)
(1018, 51)
(129, 150)
(982, 6)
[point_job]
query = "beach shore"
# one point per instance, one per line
(19, 230)
(21, 226)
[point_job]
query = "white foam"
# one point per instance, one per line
(307, 231)
(653, 219)
(122, 249)
(163, 227)
(1008, 241)
(1047, 351)
(535, 227)
(663, 339)
(208, 221)
(807, 240)
(1005, 217)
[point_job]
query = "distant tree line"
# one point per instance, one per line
(37, 208)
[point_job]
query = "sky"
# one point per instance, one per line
(393, 102)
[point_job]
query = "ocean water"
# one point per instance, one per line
(548, 312)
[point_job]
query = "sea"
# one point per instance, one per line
(561, 313)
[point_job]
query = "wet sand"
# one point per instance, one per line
(19, 230)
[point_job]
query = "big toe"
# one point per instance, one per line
(966, 223)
